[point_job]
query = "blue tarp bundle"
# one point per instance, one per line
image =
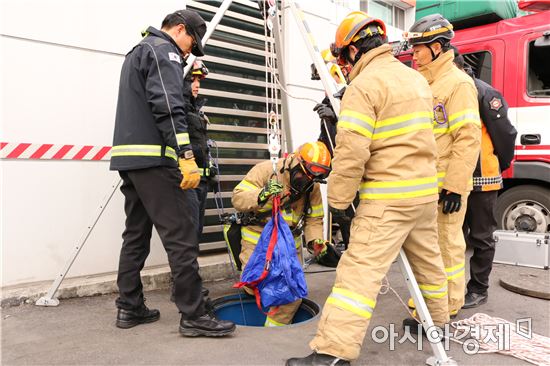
(273, 270)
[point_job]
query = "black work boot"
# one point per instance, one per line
(207, 325)
(130, 318)
(473, 300)
(317, 359)
(413, 326)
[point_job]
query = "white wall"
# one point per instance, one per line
(59, 86)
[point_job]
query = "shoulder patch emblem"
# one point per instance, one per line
(495, 103)
(174, 57)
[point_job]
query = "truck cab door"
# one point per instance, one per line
(533, 96)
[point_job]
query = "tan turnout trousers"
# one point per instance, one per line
(453, 251)
(378, 232)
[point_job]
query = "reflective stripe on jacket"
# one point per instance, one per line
(245, 199)
(150, 123)
(498, 137)
(385, 145)
(457, 126)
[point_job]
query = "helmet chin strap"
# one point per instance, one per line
(434, 56)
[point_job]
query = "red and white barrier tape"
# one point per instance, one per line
(11, 150)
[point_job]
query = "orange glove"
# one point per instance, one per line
(190, 172)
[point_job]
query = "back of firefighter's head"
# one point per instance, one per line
(357, 34)
(197, 73)
(312, 164)
(461, 63)
(429, 37)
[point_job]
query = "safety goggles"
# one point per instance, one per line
(339, 53)
(315, 172)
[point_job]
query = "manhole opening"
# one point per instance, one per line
(229, 308)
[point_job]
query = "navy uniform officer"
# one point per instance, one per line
(150, 142)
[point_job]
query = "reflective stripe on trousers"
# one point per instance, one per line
(455, 271)
(272, 323)
(434, 291)
(351, 301)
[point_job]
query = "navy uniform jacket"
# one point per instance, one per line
(498, 137)
(151, 124)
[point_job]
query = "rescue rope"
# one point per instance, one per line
(218, 199)
(271, 94)
(535, 350)
(289, 93)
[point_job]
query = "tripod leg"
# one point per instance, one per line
(49, 299)
(440, 357)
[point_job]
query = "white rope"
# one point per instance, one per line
(291, 95)
(386, 288)
(535, 350)
(271, 95)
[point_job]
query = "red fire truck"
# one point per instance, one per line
(513, 56)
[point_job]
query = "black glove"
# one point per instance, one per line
(214, 183)
(340, 93)
(339, 216)
(325, 112)
(213, 179)
(213, 171)
(451, 201)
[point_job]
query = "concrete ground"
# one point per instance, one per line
(81, 331)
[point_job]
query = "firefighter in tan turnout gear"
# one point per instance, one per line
(301, 206)
(457, 130)
(385, 148)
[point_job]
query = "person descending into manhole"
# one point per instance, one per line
(297, 182)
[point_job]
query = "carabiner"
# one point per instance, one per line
(441, 107)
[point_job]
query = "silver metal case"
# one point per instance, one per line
(522, 249)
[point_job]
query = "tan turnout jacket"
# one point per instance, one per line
(385, 144)
(245, 199)
(458, 136)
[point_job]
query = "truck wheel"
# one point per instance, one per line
(524, 208)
